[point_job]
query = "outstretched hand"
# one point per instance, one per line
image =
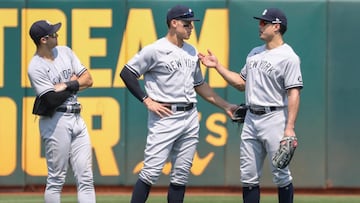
(209, 60)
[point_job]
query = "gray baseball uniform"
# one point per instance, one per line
(64, 134)
(170, 74)
(268, 74)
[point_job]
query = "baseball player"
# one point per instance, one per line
(172, 77)
(272, 81)
(56, 75)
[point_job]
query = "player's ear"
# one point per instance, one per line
(43, 40)
(173, 23)
(277, 26)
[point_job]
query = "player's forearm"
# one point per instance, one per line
(231, 77)
(220, 102)
(293, 107)
(76, 83)
(132, 84)
(217, 101)
(55, 99)
(85, 80)
(207, 93)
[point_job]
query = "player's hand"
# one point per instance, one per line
(74, 77)
(289, 132)
(60, 87)
(230, 109)
(160, 109)
(208, 60)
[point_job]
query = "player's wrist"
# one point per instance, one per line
(218, 66)
(60, 87)
(147, 102)
(290, 126)
(144, 98)
(72, 85)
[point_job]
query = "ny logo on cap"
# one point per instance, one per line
(277, 20)
(264, 12)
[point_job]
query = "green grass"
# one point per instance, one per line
(121, 198)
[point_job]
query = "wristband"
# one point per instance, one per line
(142, 100)
(72, 85)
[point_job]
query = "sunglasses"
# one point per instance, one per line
(264, 23)
(186, 23)
(53, 35)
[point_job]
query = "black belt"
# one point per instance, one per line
(263, 110)
(69, 109)
(182, 108)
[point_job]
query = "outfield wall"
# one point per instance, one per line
(106, 33)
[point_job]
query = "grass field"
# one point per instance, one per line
(121, 198)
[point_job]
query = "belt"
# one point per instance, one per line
(69, 109)
(178, 107)
(263, 110)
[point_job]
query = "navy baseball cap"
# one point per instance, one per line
(273, 15)
(42, 28)
(180, 12)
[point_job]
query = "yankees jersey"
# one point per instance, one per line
(269, 74)
(170, 73)
(44, 74)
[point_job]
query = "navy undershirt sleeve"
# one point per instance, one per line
(54, 99)
(132, 84)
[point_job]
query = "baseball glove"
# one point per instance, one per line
(285, 152)
(239, 114)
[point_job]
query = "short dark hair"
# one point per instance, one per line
(283, 29)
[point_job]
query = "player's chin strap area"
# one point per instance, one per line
(76, 108)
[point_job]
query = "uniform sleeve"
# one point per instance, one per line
(292, 74)
(132, 84)
(243, 73)
(39, 79)
(77, 66)
(142, 61)
(198, 77)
